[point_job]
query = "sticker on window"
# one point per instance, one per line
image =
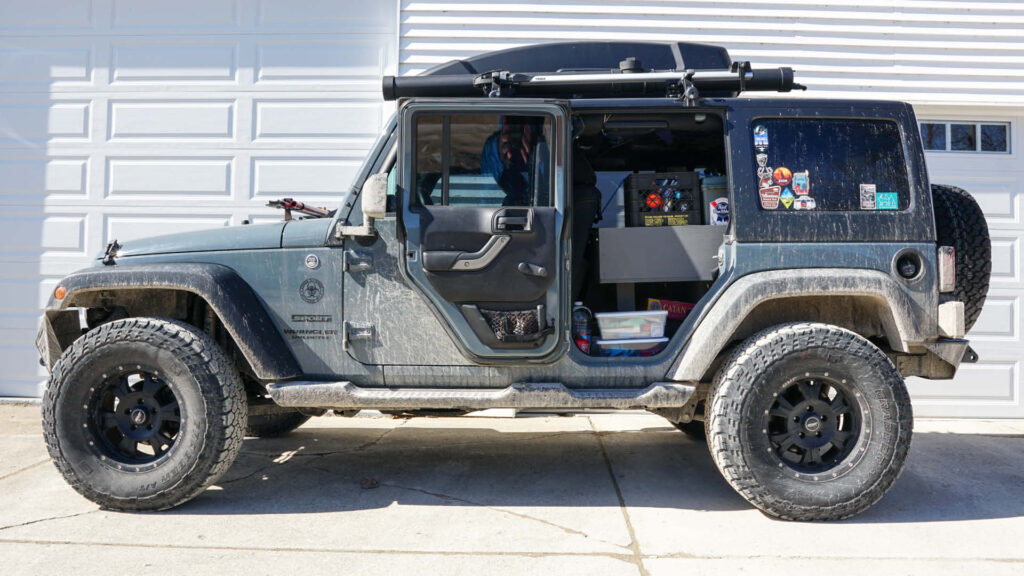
(887, 201)
(867, 196)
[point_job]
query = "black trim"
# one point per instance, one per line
(234, 301)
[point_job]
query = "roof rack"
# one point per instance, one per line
(630, 80)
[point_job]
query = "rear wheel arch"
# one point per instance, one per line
(867, 302)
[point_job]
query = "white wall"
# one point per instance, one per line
(927, 52)
(124, 118)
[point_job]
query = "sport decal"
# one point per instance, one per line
(311, 290)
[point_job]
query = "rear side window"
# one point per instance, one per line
(830, 164)
(486, 159)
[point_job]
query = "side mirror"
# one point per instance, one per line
(374, 196)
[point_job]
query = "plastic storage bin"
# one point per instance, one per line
(639, 344)
(631, 325)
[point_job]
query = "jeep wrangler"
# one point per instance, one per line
(764, 272)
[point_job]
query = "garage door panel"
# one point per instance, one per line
(357, 122)
(314, 178)
(33, 123)
(188, 14)
(342, 16)
(999, 321)
(1006, 260)
(195, 63)
(192, 119)
(32, 179)
(169, 177)
(327, 61)
(34, 64)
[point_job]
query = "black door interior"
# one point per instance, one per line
(489, 255)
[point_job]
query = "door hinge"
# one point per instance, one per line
(357, 262)
(355, 331)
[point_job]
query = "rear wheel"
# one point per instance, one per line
(143, 414)
(809, 422)
(960, 223)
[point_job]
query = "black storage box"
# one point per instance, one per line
(649, 194)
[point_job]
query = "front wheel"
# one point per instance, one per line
(143, 414)
(809, 422)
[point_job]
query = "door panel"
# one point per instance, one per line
(487, 254)
(482, 209)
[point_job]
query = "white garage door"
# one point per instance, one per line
(124, 118)
(994, 386)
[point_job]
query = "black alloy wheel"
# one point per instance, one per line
(134, 417)
(813, 423)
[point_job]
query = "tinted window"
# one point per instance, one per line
(963, 137)
(482, 160)
(993, 138)
(829, 164)
(933, 136)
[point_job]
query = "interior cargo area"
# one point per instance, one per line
(651, 207)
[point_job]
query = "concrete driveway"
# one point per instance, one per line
(599, 494)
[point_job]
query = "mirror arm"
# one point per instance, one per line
(365, 231)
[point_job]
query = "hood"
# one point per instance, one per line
(247, 237)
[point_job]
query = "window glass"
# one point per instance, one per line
(829, 164)
(483, 160)
(994, 138)
(933, 136)
(963, 137)
(429, 140)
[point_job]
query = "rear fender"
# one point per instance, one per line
(905, 322)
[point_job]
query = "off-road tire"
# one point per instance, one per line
(768, 364)
(209, 395)
(960, 223)
(274, 424)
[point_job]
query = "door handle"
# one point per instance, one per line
(505, 221)
(484, 256)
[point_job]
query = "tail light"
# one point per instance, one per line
(947, 269)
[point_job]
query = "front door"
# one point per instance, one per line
(483, 190)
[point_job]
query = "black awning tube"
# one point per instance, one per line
(712, 81)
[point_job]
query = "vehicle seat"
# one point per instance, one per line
(586, 205)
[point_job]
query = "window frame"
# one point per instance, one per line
(978, 124)
(446, 116)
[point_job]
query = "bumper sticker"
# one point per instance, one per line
(770, 197)
(782, 176)
(887, 201)
(787, 197)
(867, 196)
(804, 203)
(802, 183)
(760, 138)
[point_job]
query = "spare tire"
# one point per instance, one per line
(960, 223)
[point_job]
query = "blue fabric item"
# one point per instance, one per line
(490, 157)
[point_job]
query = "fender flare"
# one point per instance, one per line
(231, 298)
(904, 326)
